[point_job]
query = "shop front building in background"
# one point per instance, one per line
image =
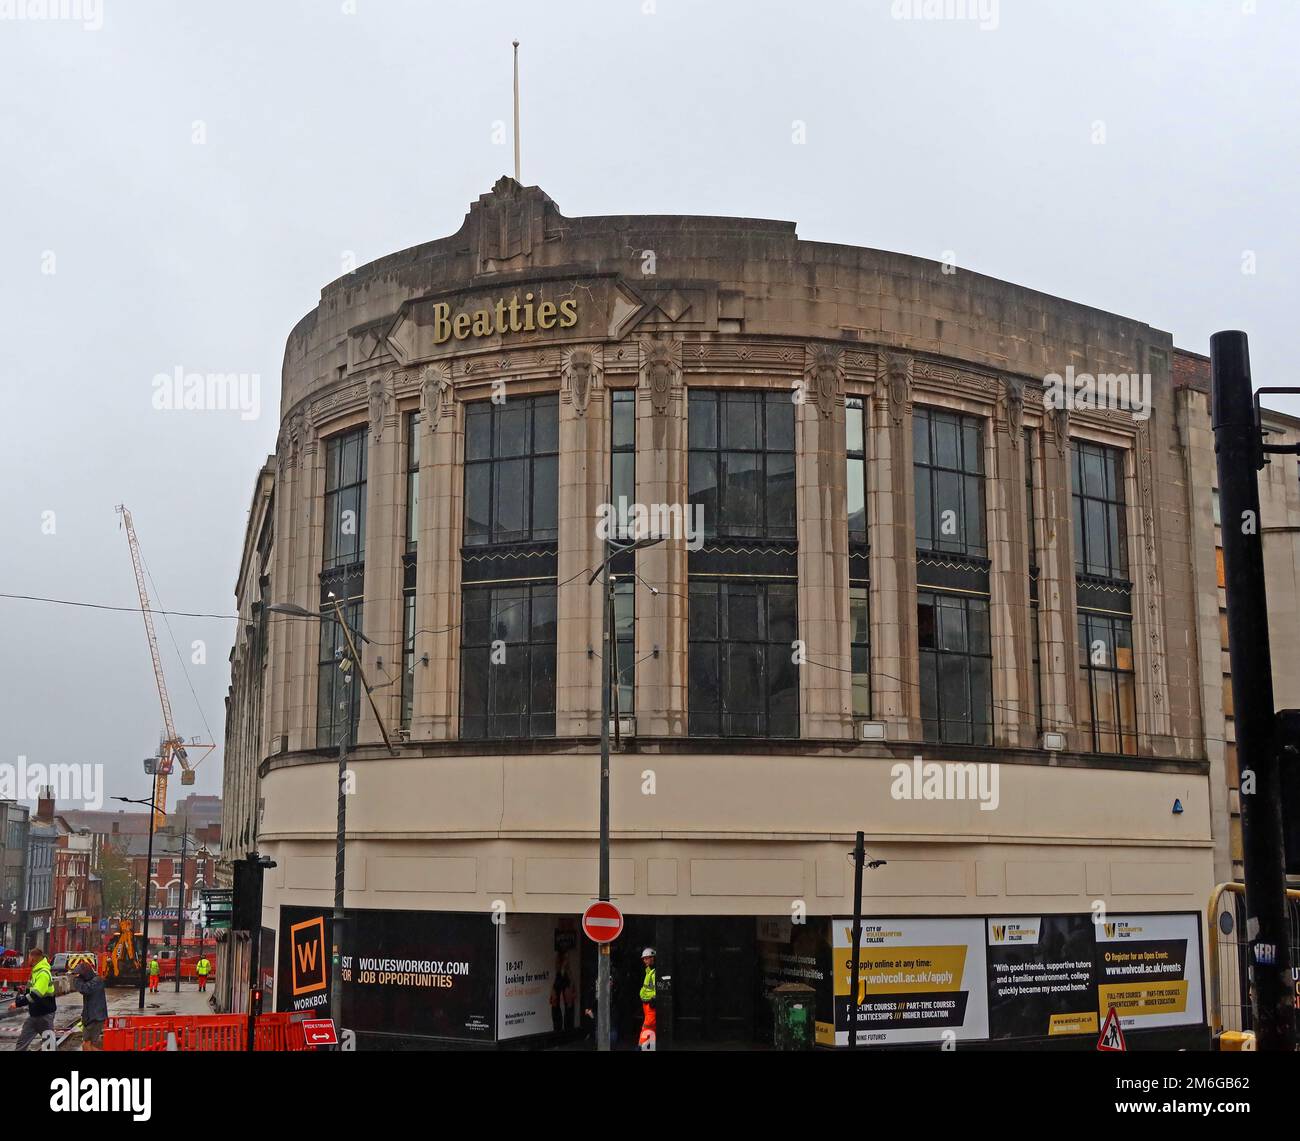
(914, 575)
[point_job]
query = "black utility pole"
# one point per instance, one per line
(1239, 448)
(859, 858)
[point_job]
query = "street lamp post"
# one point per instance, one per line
(180, 911)
(340, 826)
(148, 876)
(607, 672)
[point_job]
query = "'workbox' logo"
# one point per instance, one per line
(307, 948)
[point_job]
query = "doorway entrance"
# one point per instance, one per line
(715, 968)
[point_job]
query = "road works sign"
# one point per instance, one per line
(319, 1032)
(1112, 1037)
(603, 922)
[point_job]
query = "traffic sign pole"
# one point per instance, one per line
(1239, 450)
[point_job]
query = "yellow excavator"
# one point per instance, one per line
(120, 965)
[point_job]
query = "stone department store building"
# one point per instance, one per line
(903, 555)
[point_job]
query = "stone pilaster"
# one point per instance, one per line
(304, 635)
(1009, 617)
(584, 487)
(279, 628)
(435, 712)
(891, 519)
(381, 617)
(1057, 616)
(825, 678)
(661, 471)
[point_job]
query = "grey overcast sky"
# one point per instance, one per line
(178, 184)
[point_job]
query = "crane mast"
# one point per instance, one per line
(171, 746)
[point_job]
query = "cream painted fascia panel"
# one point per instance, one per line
(1044, 879)
(783, 878)
(1155, 879)
(316, 873)
(558, 876)
(916, 877)
(432, 874)
(661, 877)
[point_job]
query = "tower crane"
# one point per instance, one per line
(171, 748)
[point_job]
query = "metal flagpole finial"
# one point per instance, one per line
(516, 47)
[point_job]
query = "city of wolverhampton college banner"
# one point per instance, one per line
(1051, 975)
(1018, 977)
(917, 978)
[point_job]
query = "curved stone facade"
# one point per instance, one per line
(661, 307)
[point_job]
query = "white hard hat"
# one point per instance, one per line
(648, 953)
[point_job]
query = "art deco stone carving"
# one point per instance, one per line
(1013, 407)
(661, 369)
(1060, 421)
(435, 394)
(379, 398)
(898, 383)
(824, 376)
(582, 370)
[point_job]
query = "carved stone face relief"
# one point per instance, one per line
(1014, 402)
(377, 396)
(661, 371)
(581, 371)
(825, 376)
(435, 390)
(898, 380)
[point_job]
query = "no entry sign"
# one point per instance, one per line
(603, 922)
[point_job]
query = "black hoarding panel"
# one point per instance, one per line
(1041, 981)
(425, 974)
(304, 963)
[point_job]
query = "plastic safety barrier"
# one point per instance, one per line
(195, 1032)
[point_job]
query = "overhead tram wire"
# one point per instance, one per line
(120, 609)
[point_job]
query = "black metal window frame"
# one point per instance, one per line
(855, 455)
(516, 622)
(860, 648)
(1107, 679)
(345, 490)
(722, 452)
(948, 469)
(624, 634)
(413, 435)
(622, 459)
(1108, 682)
(410, 567)
(517, 437)
(732, 663)
(622, 482)
(333, 682)
(1100, 522)
(408, 657)
(955, 651)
